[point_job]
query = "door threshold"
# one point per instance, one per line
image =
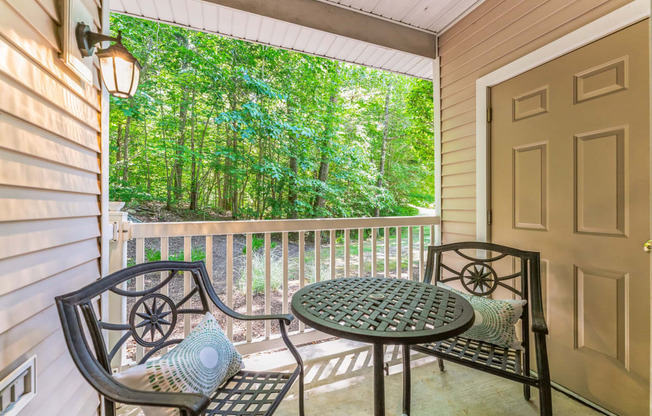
(577, 397)
(581, 399)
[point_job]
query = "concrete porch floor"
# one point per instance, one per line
(339, 383)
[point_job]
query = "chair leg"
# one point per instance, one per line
(301, 393)
(526, 392)
(440, 361)
(545, 393)
(545, 399)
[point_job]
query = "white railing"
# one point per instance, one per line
(310, 251)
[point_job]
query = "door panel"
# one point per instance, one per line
(570, 177)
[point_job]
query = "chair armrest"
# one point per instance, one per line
(210, 291)
(189, 404)
(293, 350)
(538, 320)
(538, 323)
(286, 318)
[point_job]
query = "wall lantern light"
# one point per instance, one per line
(119, 68)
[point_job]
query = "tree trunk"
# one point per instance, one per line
(234, 176)
(181, 141)
(383, 147)
(196, 164)
(193, 160)
(125, 152)
(292, 189)
(292, 182)
(118, 144)
(168, 174)
(147, 166)
(324, 150)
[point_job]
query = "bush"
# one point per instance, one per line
(258, 274)
(276, 280)
(257, 243)
(151, 254)
(406, 211)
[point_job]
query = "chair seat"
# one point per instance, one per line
(478, 352)
(250, 394)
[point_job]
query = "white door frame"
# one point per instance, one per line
(610, 23)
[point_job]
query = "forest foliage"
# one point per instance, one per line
(251, 131)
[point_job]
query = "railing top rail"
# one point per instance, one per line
(180, 229)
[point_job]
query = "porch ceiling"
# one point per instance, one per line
(384, 34)
(430, 15)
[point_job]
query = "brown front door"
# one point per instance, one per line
(570, 177)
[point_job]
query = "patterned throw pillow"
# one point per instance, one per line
(494, 319)
(199, 364)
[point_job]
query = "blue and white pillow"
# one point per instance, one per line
(494, 319)
(203, 361)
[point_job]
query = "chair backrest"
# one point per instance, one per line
(158, 309)
(485, 269)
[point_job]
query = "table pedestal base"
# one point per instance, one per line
(379, 380)
(407, 380)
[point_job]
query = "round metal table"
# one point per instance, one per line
(383, 311)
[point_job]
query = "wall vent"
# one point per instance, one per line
(18, 388)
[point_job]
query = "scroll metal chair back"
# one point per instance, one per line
(496, 271)
(486, 269)
(156, 319)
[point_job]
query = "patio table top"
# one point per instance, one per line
(383, 311)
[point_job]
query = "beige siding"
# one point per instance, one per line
(49, 199)
(494, 34)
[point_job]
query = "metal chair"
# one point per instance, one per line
(474, 265)
(246, 393)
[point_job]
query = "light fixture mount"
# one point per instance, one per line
(87, 39)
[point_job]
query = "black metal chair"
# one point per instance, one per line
(465, 263)
(246, 393)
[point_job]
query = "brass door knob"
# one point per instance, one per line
(647, 247)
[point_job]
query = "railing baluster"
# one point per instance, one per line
(164, 256)
(332, 243)
(317, 256)
(268, 283)
(165, 289)
(250, 295)
(285, 272)
(374, 251)
(410, 252)
(229, 283)
(399, 265)
(140, 258)
(209, 256)
(360, 252)
(421, 243)
(187, 284)
(432, 235)
(386, 238)
(347, 253)
(302, 267)
(140, 285)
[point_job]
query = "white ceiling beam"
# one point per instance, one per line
(340, 21)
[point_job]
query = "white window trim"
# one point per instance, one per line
(610, 23)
